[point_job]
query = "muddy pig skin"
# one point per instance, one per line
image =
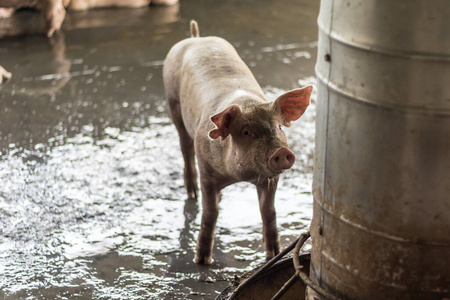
(224, 119)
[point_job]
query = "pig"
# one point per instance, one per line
(225, 121)
(54, 11)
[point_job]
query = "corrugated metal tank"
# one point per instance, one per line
(381, 224)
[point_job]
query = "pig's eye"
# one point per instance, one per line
(279, 126)
(247, 131)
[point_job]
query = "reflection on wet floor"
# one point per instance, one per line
(92, 203)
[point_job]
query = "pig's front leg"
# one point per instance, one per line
(266, 194)
(210, 212)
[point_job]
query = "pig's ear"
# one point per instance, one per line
(223, 121)
(292, 104)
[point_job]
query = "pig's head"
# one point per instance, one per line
(252, 134)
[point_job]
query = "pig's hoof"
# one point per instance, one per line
(203, 260)
(272, 253)
(192, 191)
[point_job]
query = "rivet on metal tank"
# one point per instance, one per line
(382, 165)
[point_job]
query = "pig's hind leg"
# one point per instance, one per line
(187, 149)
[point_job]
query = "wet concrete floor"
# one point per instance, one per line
(92, 203)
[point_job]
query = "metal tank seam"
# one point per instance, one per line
(396, 286)
(436, 112)
(384, 51)
(381, 234)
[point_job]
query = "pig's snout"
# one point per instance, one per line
(282, 159)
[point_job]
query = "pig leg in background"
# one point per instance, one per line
(54, 13)
(266, 195)
(210, 212)
(4, 74)
(187, 149)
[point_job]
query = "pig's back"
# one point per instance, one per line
(201, 73)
